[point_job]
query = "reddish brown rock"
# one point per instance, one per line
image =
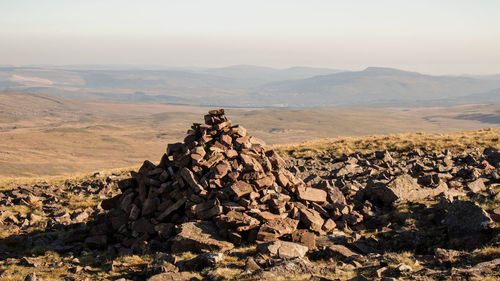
(221, 170)
(304, 237)
(311, 218)
(199, 236)
(273, 229)
(240, 188)
(188, 176)
(226, 140)
(311, 194)
(264, 182)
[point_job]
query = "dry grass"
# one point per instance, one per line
(19, 272)
(400, 142)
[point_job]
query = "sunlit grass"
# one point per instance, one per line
(479, 139)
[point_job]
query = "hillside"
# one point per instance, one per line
(378, 87)
(253, 86)
(55, 228)
(64, 135)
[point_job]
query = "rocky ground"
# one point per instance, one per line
(408, 215)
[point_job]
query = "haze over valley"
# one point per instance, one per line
(253, 86)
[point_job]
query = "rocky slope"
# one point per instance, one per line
(410, 214)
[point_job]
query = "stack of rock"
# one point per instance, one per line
(221, 176)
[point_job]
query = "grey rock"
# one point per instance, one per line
(465, 218)
(283, 249)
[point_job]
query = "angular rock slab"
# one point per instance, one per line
(199, 236)
(403, 188)
(466, 218)
(283, 249)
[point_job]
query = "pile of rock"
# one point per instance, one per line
(220, 182)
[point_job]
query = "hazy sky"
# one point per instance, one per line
(435, 36)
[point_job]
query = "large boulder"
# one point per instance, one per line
(199, 236)
(402, 188)
(465, 218)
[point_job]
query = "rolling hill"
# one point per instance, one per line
(253, 86)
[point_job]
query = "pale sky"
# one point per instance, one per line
(435, 36)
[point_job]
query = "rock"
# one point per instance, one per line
(188, 176)
(404, 268)
(486, 268)
(465, 218)
(311, 194)
(240, 188)
(476, 186)
(199, 236)
(251, 265)
(264, 182)
(283, 249)
(273, 229)
(207, 209)
(329, 225)
(237, 220)
(340, 251)
(98, 241)
(304, 237)
(32, 277)
(493, 156)
(201, 261)
(311, 218)
(402, 188)
(78, 217)
(63, 218)
(495, 214)
(445, 254)
(336, 196)
(30, 262)
(336, 237)
(171, 209)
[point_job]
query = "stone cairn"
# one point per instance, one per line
(221, 178)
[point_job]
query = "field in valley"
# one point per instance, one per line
(49, 136)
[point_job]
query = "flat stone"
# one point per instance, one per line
(264, 182)
(283, 249)
(199, 236)
(476, 186)
(403, 188)
(236, 220)
(240, 188)
(266, 216)
(341, 251)
(304, 237)
(311, 194)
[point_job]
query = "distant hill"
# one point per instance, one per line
(261, 74)
(253, 86)
(376, 86)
